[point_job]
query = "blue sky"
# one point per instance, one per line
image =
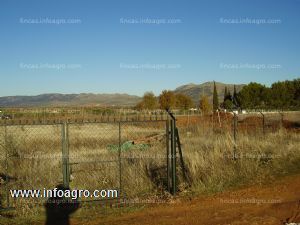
(101, 54)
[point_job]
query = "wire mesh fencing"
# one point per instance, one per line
(144, 157)
(31, 159)
(201, 133)
(252, 124)
(129, 157)
(93, 164)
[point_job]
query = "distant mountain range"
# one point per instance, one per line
(84, 99)
(207, 88)
(69, 100)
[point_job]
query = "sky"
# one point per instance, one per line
(134, 46)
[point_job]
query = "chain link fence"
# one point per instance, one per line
(143, 150)
(129, 156)
(126, 156)
(31, 159)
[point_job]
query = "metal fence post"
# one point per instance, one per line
(168, 153)
(173, 154)
(65, 155)
(175, 159)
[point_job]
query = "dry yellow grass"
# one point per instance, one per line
(212, 167)
(35, 159)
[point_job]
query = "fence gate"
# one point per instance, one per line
(143, 158)
(136, 158)
(92, 158)
(133, 157)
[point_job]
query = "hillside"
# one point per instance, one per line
(83, 99)
(195, 90)
(70, 100)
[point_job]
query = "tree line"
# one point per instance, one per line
(166, 100)
(280, 95)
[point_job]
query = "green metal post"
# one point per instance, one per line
(183, 168)
(175, 158)
(173, 154)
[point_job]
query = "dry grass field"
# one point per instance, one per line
(35, 159)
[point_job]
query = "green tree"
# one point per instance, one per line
(253, 95)
(228, 99)
(282, 95)
(225, 94)
(228, 104)
(228, 96)
(235, 99)
(296, 101)
(215, 98)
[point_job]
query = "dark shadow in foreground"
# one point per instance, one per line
(58, 209)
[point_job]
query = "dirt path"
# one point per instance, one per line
(272, 204)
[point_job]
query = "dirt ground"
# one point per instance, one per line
(272, 204)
